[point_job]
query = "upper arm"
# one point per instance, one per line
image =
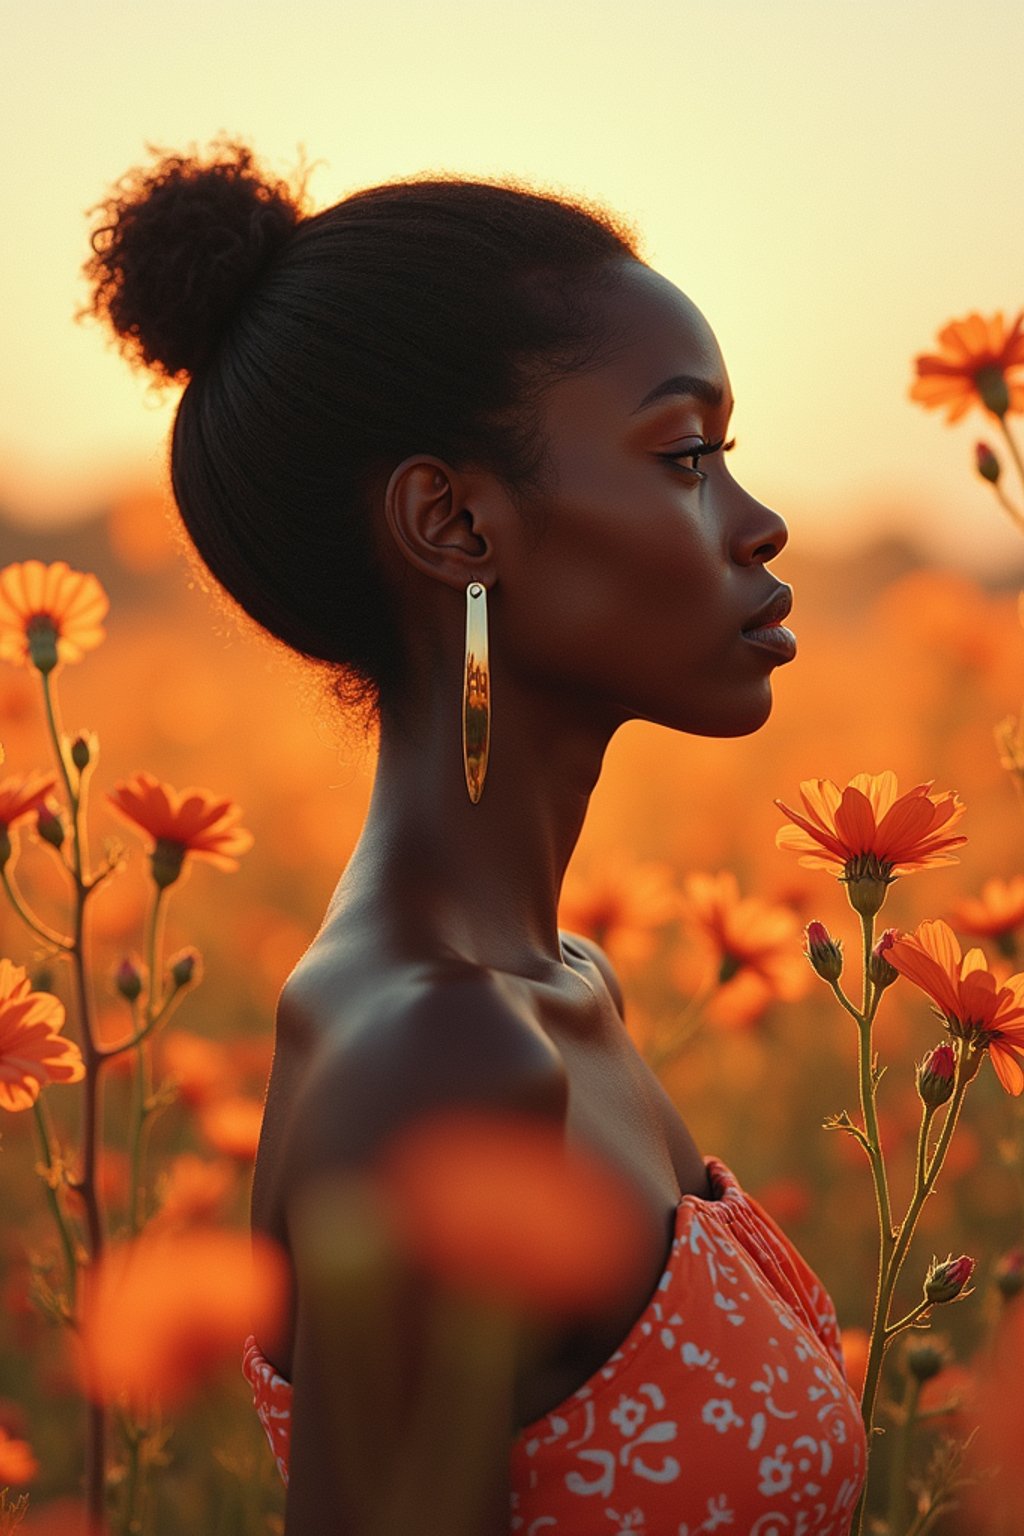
(385, 1381)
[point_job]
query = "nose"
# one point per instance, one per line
(759, 534)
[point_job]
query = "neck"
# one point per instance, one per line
(481, 880)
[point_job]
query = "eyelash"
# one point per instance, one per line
(699, 453)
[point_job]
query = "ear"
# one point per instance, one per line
(439, 523)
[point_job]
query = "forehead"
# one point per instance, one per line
(653, 333)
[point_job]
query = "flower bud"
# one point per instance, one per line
(184, 967)
(1009, 1274)
(935, 1076)
(991, 385)
(83, 750)
(925, 1358)
(986, 463)
(128, 979)
(49, 825)
(945, 1282)
(879, 970)
(824, 952)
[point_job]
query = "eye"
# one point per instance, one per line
(689, 456)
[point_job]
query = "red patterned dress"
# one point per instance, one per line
(725, 1408)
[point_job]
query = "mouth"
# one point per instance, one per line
(766, 628)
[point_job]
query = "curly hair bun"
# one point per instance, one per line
(177, 248)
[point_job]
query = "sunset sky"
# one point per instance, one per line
(829, 181)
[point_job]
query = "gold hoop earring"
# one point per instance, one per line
(476, 692)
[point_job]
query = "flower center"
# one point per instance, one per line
(166, 860)
(867, 877)
(990, 382)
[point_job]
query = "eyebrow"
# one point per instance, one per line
(684, 384)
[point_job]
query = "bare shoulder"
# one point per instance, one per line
(597, 956)
(423, 1039)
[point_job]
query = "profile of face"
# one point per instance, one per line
(650, 562)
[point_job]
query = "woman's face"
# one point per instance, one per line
(649, 565)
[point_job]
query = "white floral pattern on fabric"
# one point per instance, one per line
(725, 1408)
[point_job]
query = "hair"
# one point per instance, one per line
(319, 350)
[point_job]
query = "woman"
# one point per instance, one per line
(457, 442)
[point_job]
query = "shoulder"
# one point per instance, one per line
(596, 955)
(425, 1039)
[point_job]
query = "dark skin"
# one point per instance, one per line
(439, 975)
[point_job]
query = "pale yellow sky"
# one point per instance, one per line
(830, 180)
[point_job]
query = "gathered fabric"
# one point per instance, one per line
(725, 1408)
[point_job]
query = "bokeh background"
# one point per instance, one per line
(830, 183)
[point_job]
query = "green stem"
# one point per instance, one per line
(867, 1100)
(907, 1321)
(1014, 450)
(53, 1200)
(900, 1465)
(39, 928)
(92, 1105)
(1007, 505)
(143, 1087)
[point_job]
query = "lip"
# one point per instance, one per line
(766, 628)
(774, 611)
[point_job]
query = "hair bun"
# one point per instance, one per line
(178, 246)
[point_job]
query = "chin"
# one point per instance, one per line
(720, 717)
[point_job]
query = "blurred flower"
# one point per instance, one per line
(870, 832)
(986, 463)
(975, 1007)
(166, 1312)
(569, 1224)
(193, 1192)
(996, 914)
(32, 1049)
(200, 1068)
(232, 1126)
(23, 794)
(855, 1343)
(925, 1358)
(753, 944)
(620, 905)
(84, 750)
(787, 1201)
(1009, 1274)
(945, 1280)
(973, 368)
(17, 1463)
(49, 614)
(181, 822)
(935, 1076)
(824, 952)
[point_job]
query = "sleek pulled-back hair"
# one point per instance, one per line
(319, 351)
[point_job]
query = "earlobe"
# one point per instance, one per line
(433, 528)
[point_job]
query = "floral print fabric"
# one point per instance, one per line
(724, 1409)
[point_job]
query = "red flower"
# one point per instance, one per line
(976, 1008)
(973, 368)
(180, 822)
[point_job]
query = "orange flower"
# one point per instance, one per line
(49, 613)
(181, 822)
(22, 795)
(977, 357)
(193, 1192)
(201, 1069)
(753, 943)
(620, 905)
(568, 1228)
(997, 913)
(975, 1007)
(17, 1463)
(232, 1127)
(166, 1312)
(32, 1049)
(869, 831)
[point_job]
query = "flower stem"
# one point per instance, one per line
(1014, 450)
(143, 1088)
(53, 1200)
(900, 1465)
(39, 928)
(1016, 516)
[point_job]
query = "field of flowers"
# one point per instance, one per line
(904, 669)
